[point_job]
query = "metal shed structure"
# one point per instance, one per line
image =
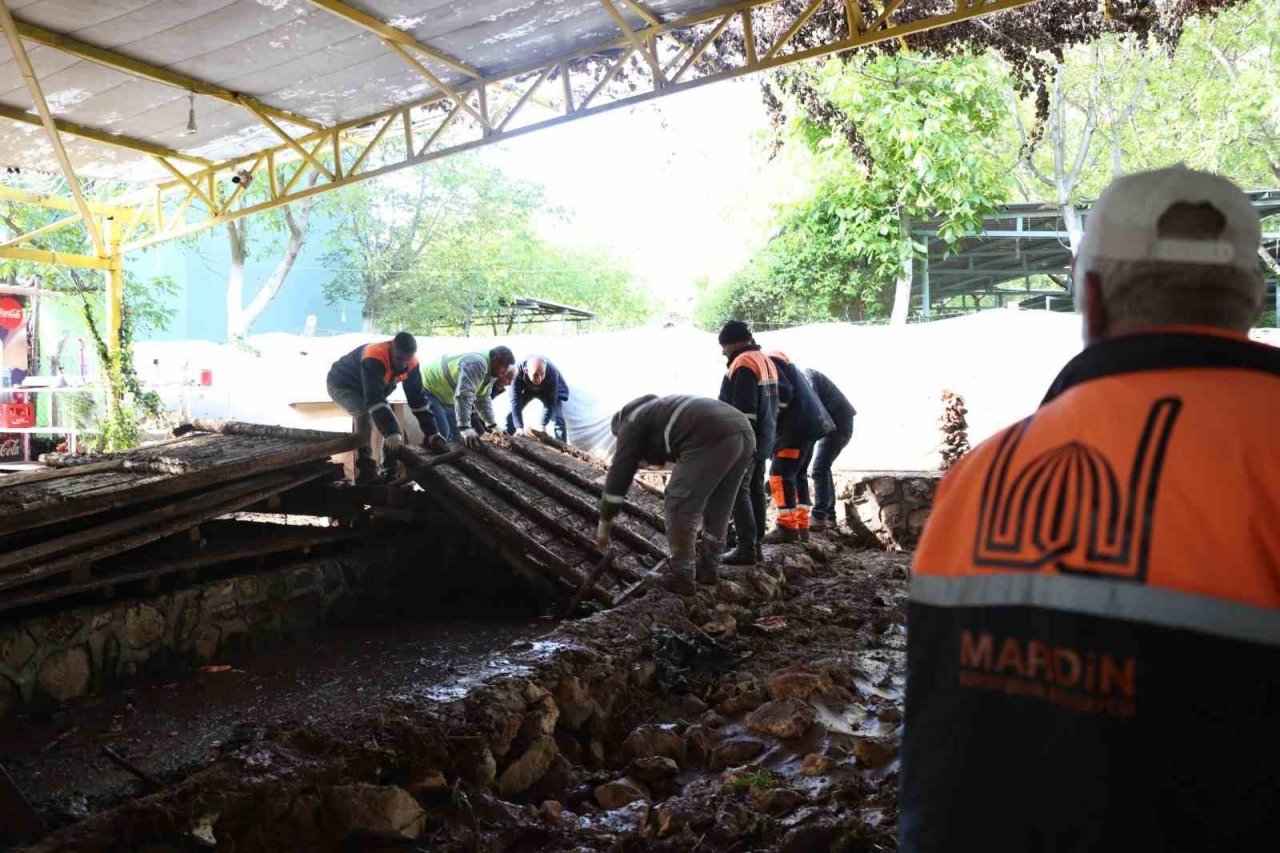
(1022, 255)
(193, 113)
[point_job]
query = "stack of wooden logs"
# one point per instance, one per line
(94, 523)
(536, 502)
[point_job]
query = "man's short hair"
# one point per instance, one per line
(1174, 247)
(405, 343)
(502, 356)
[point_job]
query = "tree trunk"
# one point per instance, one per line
(902, 289)
(1071, 221)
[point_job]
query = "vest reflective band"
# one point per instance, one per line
(382, 353)
(440, 376)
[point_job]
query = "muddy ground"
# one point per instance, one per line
(763, 717)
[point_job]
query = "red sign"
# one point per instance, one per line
(11, 313)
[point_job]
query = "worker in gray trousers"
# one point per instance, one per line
(712, 445)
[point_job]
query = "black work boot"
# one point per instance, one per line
(708, 560)
(744, 553)
(679, 578)
(367, 472)
(781, 536)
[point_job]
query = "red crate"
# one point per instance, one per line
(14, 415)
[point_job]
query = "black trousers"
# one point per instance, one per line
(749, 509)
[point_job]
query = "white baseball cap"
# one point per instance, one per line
(1123, 223)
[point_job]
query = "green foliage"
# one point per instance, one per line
(119, 416)
(449, 248)
(837, 252)
(761, 780)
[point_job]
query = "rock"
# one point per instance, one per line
(815, 765)
(698, 743)
(797, 683)
(65, 674)
(382, 811)
(570, 747)
(890, 714)
(207, 642)
(552, 811)
(647, 741)
(526, 770)
(785, 718)
(775, 801)
(430, 784)
(724, 626)
(691, 706)
(736, 697)
(143, 625)
(643, 674)
(574, 701)
(712, 720)
(883, 487)
(475, 762)
(798, 566)
(765, 584)
(533, 693)
(185, 623)
(653, 769)
(736, 751)
(58, 628)
(595, 753)
(619, 793)
(541, 720)
(916, 521)
(874, 751)
(817, 835)
(731, 591)
(505, 735)
(16, 647)
(8, 697)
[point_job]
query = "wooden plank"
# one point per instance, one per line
(268, 485)
(223, 427)
(27, 478)
(579, 504)
(564, 472)
(589, 584)
(209, 556)
(168, 486)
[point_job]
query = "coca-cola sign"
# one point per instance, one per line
(11, 313)
(10, 447)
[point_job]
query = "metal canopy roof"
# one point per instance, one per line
(204, 98)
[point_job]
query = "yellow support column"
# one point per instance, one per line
(115, 285)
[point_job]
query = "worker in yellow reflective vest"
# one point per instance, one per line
(458, 386)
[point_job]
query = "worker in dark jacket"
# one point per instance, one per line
(824, 453)
(712, 445)
(360, 383)
(538, 379)
(801, 422)
(750, 385)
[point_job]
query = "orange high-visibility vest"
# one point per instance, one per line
(1094, 624)
(382, 352)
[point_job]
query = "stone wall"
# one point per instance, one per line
(888, 508)
(55, 657)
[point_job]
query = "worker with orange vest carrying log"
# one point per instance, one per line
(802, 421)
(360, 383)
(750, 385)
(1093, 659)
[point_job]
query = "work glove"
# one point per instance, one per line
(391, 442)
(525, 432)
(604, 532)
(471, 438)
(488, 428)
(436, 443)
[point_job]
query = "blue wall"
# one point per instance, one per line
(200, 306)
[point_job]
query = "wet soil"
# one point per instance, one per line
(763, 715)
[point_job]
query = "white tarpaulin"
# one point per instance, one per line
(1001, 361)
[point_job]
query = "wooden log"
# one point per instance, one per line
(267, 486)
(461, 504)
(187, 563)
(589, 584)
(27, 478)
(223, 427)
(69, 460)
(564, 472)
(582, 456)
(113, 529)
(588, 509)
(537, 513)
(235, 469)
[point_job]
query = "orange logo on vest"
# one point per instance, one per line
(1069, 506)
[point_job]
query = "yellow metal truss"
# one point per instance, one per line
(665, 57)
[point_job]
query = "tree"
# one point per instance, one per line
(456, 244)
(894, 146)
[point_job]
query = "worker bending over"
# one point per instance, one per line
(538, 379)
(801, 421)
(712, 445)
(458, 386)
(1093, 662)
(750, 385)
(824, 453)
(360, 383)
